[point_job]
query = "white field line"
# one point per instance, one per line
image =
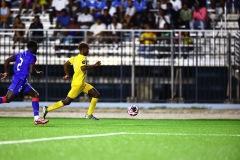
(112, 134)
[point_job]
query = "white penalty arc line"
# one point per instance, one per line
(111, 134)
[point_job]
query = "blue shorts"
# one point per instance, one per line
(18, 85)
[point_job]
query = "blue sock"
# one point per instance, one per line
(35, 106)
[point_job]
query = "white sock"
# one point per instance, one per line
(36, 118)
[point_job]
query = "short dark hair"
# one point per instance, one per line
(82, 45)
(18, 16)
(31, 44)
(37, 16)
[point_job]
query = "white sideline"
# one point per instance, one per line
(112, 134)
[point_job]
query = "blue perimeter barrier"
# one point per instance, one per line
(125, 105)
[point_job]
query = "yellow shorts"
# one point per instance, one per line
(76, 90)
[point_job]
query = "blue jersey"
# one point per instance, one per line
(84, 3)
(100, 4)
(22, 64)
(140, 6)
(117, 3)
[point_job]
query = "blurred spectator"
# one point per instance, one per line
(114, 36)
(99, 5)
(39, 4)
(106, 17)
(96, 31)
(147, 39)
(187, 41)
(235, 4)
(185, 16)
(79, 4)
(27, 3)
(161, 19)
(117, 3)
(69, 37)
(140, 5)
(84, 3)
(165, 36)
(136, 21)
(91, 3)
(151, 4)
(63, 21)
(163, 4)
(176, 4)
(200, 17)
(5, 15)
(57, 6)
(201, 2)
(150, 19)
(18, 35)
(130, 11)
(111, 9)
(186, 38)
(85, 20)
(125, 4)
(37, 35)
(214, 3)
(171, 16)
(12, 3)
(190, 3)
(9, 3)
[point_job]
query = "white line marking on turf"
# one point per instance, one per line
(190, 134)
(112, 134)
(58, 138)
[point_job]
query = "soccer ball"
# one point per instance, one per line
(133, 110)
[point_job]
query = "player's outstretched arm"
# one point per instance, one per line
(66, 71)
(6, 64)
(35, 71)
(87, 67)
(3, 75)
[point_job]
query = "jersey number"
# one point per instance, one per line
(19, 64)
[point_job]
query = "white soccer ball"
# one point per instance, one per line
(133, 110)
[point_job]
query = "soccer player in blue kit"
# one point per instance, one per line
(24, 65)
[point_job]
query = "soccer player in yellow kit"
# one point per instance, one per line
(78, 85)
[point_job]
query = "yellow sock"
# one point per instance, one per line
(55, 106)
(92, 106)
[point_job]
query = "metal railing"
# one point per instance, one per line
(176, 68)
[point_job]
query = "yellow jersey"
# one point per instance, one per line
(79, 75)
(148, 35)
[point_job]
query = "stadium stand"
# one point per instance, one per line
(206, 51)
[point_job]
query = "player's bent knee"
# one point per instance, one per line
(96, 95)
(66, 102)
(36, 95)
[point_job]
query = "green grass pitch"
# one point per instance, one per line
(119, 139)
